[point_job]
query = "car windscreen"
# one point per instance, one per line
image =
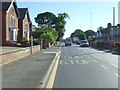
(83, 41)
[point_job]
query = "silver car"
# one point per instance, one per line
(84, 43)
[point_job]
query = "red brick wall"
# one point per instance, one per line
(20, 32)
(0, 26)
(3, 26)
(16, 55)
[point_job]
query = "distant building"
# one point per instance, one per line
(75, 39)
(119, 12)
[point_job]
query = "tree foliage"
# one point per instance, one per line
(82, 36)
(49, 21)
(89, 33)
(51, 36)
(76, 33)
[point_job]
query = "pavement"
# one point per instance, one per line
(29, 71)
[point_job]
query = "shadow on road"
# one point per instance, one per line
(107, 51)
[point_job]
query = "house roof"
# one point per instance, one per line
(6, 5)
(23, 12)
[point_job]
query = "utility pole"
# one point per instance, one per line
(91, 20)
(113, 16)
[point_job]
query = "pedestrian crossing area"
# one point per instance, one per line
(62, 62)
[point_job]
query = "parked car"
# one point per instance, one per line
(84, 43)
(10, 43)
(68, 41)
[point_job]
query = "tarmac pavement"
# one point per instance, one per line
(29, 71)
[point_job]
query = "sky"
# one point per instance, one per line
(83, 15)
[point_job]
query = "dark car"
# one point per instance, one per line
(10, 43)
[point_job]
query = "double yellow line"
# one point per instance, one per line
(53, 74)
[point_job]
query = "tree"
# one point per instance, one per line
(60, 25)
(89, 33)
(76, 33)
(45, 20)
(82, 36)
(48, 21)
(51, 36)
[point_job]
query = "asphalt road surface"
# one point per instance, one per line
(85, 67)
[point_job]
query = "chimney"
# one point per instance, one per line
(109, 25)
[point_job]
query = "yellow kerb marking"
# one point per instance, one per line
(52, 76)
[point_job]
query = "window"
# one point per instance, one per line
(12, 21)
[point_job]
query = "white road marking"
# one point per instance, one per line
(60, 61)
(97, 57)
(77, 62)
(116, 74)
(49, 52)
(103, 66)
(94, 61)
(114, 65)
(72, 62)
(82, 61)
(59, 49)
(85, 61)
(66, 63)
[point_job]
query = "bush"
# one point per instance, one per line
(25, 42)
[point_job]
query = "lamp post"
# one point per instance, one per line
(31, 47)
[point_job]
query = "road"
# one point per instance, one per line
(85, 67)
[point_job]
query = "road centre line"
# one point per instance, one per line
(116, 74)
(103, 66)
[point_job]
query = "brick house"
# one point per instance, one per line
(106, 33)
(9, 22)
(24, 24)
(115, 33)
